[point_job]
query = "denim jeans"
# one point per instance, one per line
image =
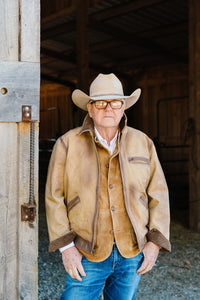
(116, 274)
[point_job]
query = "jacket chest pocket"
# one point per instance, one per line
(139, 160)
(140, 169)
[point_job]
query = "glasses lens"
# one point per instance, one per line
(116, 104)
(100, 104)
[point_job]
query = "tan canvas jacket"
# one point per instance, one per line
(72, 189)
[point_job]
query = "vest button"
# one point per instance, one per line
(112, 208)
(111, 231)
(107, 165)
(110, 186)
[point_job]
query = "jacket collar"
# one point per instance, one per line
(88, 125)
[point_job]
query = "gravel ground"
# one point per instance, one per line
(175, 275)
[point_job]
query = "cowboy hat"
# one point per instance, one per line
(104, 86)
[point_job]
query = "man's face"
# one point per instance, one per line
(107, 117)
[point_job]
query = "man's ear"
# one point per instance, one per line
(89, 110)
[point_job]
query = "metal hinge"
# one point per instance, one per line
(26, 113)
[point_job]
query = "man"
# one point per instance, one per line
(106, 198)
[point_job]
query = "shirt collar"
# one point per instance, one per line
(103, 141)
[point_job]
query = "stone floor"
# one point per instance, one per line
(174, 276)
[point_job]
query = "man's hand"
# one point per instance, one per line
(72, 262)
(150, 252)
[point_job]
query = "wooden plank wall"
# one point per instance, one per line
(55, 111)
(20, 22)
(166, 82)
(157, 83)
(9, 211)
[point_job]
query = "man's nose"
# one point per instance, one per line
(108, 107)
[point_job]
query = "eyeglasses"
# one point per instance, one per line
(102, 104)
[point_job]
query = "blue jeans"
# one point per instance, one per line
(116, 272)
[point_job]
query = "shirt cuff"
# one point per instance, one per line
(66, 247)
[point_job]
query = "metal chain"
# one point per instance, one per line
(32, 154)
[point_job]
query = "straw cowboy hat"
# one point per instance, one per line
(104, 87)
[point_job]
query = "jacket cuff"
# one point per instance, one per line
(62, 241)
(156, 237)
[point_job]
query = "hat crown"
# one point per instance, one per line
(104, 85)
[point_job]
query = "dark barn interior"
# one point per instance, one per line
(147, 44)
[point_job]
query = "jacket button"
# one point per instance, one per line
(111, 231)
(112, 208)
(110, 186)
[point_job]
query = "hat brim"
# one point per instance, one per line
(81, 99)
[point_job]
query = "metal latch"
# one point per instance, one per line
(28, 212)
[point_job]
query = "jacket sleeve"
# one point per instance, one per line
(159, 213)
(58, 224)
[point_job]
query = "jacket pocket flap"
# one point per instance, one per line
(73, 202)
(139, 160)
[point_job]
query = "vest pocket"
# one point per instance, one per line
(73, 202)
(139, 160)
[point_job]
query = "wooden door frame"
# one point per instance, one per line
(20, 64)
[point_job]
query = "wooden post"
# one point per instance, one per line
(82, 49)
(194, 85)
(82, 44)
(19, 85)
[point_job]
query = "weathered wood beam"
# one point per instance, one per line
(123, 9)
(166, 30)
(142, 60)
(97, 47)
(9, 30)
(109, 44)
(108, 13)
(67, 11)
(159, 31)
(59, 55)
(122, 35)
(119, 65)
(99, 16)
(29, 16)
(64, 12)
(194, 113)
(9, 162)
(70, 58)
(57, 30)
(135, 39)
(82, 51)
(58, 80)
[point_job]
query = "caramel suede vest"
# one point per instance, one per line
(113, 224)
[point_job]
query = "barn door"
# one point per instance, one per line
(19, 117)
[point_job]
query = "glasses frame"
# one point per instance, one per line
(107, 102)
